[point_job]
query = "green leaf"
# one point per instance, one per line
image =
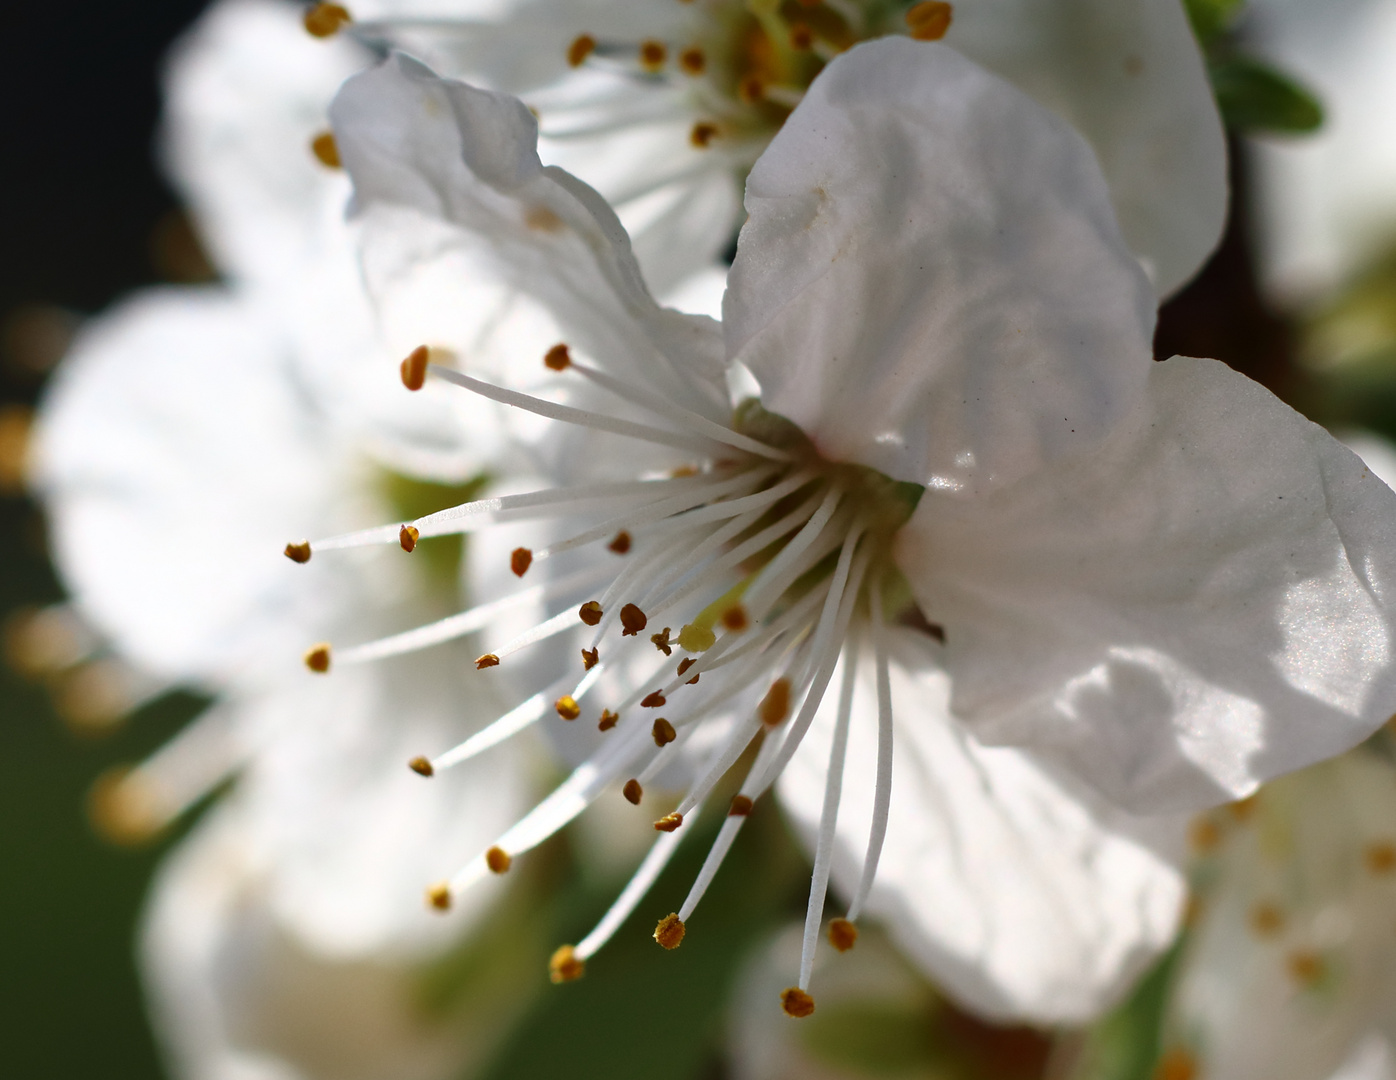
(1126, 1044)
(1255, 97)
(1212, 18)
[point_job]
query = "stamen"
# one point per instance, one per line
(558, 358)
(775, 706)
(780, 572)
(633, 619)
(653, 54)
(590, 613)
(325, 20)
(317, 658)
(508, 725)
(653, 701)
(796, 1003)
(633, 792)
(439, 896)
(735, 619)
(741, 806)
(567, 707)
(520, 560)
(582, 47)
(669, 822)
(702, 134)
(608, 720)
(421, 766)
(882, 790)
(414, 368)
(621, 544)
(843, 935)
(488, 660)
(407, 537)
(696, 639)
(828, 819)
(929, 21)
(590, 658)
(670, 932)
(662, 643)
(686, 663)
(299, 553)
(565, 965)
(326, 151)
(693, 61)
(498, 860)
(663, 732)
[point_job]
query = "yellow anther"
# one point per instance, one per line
(775, 706)
(928, 21)
(567, 707)
(520, 559)
(326, 150)
(796, 1003)
(1381, 858)
(653, 701)
(558, 358)
(608, 720)
(565, 965)
(686, 663)
(1266, 919)
(590, 658)
(123, 808)
(488, 660)
(1305, 966)
(735, 619)
(703, 134)
(843, 935)
(498, 860)
(439, 896)
(414, 368)
(408, 536)
(1203, 835)
(668, 823)
(693, 61)
(325, 20)
(582, 46)
(421, 766)
(669, 932)
(696, 638)
(632, 619)
(299, 552)
(741, 806)
(663, 732)
(1176, 1064)
(590, 613)
(662, 642)
(621, 544)
(633, 792)
(653, 54)
(317, 658)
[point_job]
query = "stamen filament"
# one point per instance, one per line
(882, 792)
(507, 726)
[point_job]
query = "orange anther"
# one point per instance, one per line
(498, 860)
(567, 707)
(775, 706)
(565, 965)
(324, 20)
(488, 660)
(326, 150)
(558, 358)
(299, 552)
(439, 896)
(796, 1003)
(1266, 919)
(669, 932)
(633, 792)
(582, 47)
(590, 613)
(621, 544)
(741, 806)
(686, 663)
(421, 766)
(1176, 1064)
(928, 21)
(408, 536)
(317, 658)
(662, 642)
(801, 37)
(653, 701)
(1381, 858)
(843, 935)
(669, 822)
(735, 619)
(590, 658)
(608, 720)
(414, 368)
(702, 134)
(693, 61)
(653, 54)
(520, 559)
(632, 619)
(663, 732)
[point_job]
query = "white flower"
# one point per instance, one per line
(1155, 581)
(1326, 202)
(663, 106)
(1290, 971)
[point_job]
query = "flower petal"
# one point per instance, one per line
(1129, 76)
(466, 161)
(931, 281)
(1203, 602)
(1019, 891)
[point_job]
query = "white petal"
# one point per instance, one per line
(177, 460)
(247, 89)
(931, 282)
(236, 996)
(466, 161)
(1020, 892)
(1129, 76)
(1201, 603)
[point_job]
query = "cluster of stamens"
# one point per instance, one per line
(772, 563)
